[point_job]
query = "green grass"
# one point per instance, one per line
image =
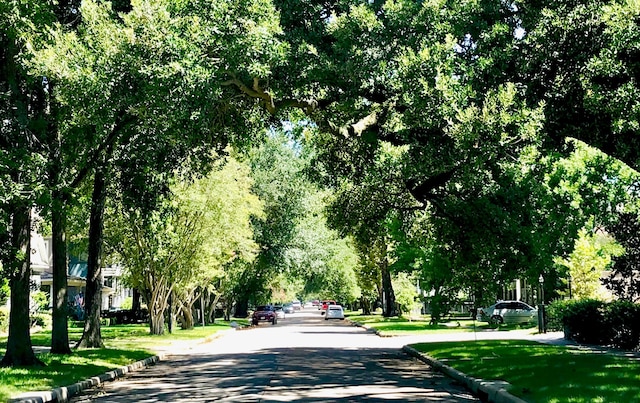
(124, 344)
(401, 326)
(543, 373)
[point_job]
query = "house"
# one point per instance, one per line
(113, 290)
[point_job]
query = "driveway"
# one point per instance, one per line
(301, 359)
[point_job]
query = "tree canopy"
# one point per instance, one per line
(449, 142)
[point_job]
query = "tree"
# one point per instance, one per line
(624, 280)
(23, 116)
(278, 182)
(580, 60)
(225, 205)
(591, 256)
(319, 261)
(148, 74)
(406, 293)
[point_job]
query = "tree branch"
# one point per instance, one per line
(123, 120)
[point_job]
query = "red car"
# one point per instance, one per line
(264, 313)
(325, 304)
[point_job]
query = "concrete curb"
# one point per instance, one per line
(64, 393)
(487, 391)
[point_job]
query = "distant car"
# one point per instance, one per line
(296, 305)
(264, 313)
(315, 302)
(325, 303)
(288, 308)
(334, 312)
(508, 312)
(280, 313)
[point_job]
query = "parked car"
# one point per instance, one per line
(334, 312)
(325, 303)
(315, 302)
(280, 313)
(124, 316)
(508, 312)
(288, 308)
(264, 313)
(297, 305)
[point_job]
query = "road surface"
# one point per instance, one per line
(301, 359)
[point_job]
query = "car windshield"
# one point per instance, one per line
(264, 308)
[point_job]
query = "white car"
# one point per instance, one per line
(334, 312)
(280, 314)
(508, 312)
(297, 306)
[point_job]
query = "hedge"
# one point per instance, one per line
(612, 324)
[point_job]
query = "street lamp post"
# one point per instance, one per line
(542, 328)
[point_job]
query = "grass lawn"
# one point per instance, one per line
(396, 326)
(544, 373)
(124, 344)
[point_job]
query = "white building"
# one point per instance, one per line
(113, 292)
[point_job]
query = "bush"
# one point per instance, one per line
(4, 320)
(42, 320)
(615, 324)
(584, 321)
(623, 322)
(556, 311)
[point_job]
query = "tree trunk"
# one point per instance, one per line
(19, 348)
(170, 313)
(91, 337)
(188, 321)
(156, 323)
(135, 306)
(389, 308)
(59, 327)
(214, 304)
(366, 306)
(157, 303)
(242, 309)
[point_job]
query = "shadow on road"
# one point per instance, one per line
(287, 375)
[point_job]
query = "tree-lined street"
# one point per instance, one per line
(301, 359)
(417, 157)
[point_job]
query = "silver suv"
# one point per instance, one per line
(508, 312)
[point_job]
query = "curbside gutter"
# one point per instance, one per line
(64, 393)
(487, 391)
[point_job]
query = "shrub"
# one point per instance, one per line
(584, 321)
(42, 320)
(623, 322)
(615, 324)
(556, 311)
(39, 302)
(4, 320)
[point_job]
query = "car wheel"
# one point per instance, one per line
(496, 320)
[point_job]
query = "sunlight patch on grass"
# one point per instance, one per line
(124, 344)
(544, 373)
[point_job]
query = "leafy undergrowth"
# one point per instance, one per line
(124, 344)
(544, 373)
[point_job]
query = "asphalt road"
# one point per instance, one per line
(301, 359)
